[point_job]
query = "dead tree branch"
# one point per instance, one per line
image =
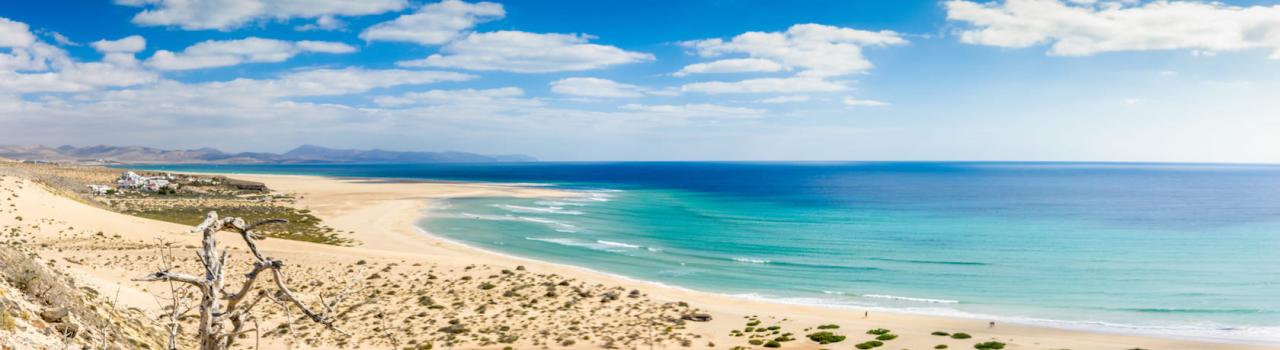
(220, 307)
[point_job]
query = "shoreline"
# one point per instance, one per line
(1067, 325)
(383, 217)
(844, 311)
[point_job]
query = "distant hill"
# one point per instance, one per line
(302, 154)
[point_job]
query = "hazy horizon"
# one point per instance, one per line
(955, 80)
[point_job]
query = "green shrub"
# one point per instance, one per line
(887, 336)
(961, 336)
(869, 345)
(940, 346)
(487, 286)
(829, 326)
(878, 331)
(756, 341)
(941, 333)
(826, 337)
(773, 344)
(754, 323)
(989, 345)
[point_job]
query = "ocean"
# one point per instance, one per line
(1184, 250)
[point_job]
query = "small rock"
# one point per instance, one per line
(54, 314)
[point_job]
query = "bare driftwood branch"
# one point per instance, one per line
(220, 307)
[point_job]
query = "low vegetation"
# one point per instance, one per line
(826, 337)
(991, 345)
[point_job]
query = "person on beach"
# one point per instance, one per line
(866, 314)
(992, 324)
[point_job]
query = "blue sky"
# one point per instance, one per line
(655, 80)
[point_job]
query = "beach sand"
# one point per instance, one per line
(532, 304)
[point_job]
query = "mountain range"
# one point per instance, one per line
(301, 154)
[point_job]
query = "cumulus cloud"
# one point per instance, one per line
(15, 34)
(222, 53)
(436, 23)
(506, 97)
(815, 49)
(732, 65)
(230, 14)
(1086, 28)
(595, 87)
(33, 66)
(333, 82)
(853, 102)
(766, 85)
(787, 99)
(323, 23)
(816, 52)
(129, 44)
(525, 52)
(696, 110)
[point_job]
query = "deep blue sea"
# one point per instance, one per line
(1173, 249)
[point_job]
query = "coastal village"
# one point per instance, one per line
(168, 183)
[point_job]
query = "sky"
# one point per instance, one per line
(1040, 80)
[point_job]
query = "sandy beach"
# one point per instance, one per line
(416, 284)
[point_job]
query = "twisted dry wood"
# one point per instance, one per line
(213, 314)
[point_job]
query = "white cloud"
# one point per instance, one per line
(503, 96)
(324, 23)
(697, 110)
(732, 65)
(33, 66)
(853, 102)
(787, 99)
(766, 85)
(230, 14)
(63, 39)
(130, 44)
(15, 34)
(595, 87)
(1087, 28)
(325, 47)
(525, 52)
(37, 56)
(221, 53)
(436, 23)
(333, 82)
(817, 50)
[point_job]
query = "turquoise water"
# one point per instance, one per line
(1181, 250)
